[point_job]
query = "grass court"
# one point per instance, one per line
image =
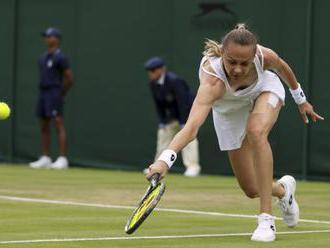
(89, 208)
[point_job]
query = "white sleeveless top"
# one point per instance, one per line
(231, 112)
(234, 100)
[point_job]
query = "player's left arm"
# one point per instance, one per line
(274, 62)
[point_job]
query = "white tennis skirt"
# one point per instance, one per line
(230, 114)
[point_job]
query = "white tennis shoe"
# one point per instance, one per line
(288, 205)
(266, 229)
(60, 163)
(42, 162)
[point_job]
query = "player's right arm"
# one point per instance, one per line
(210, 90)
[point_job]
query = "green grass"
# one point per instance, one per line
(34, 221)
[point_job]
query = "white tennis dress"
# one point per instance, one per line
(231, 112)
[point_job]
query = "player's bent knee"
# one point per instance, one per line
(257, 134)
(251, 193)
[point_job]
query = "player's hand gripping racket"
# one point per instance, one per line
(148, 202)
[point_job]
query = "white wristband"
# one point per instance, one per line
(298, 95)
(168, 156)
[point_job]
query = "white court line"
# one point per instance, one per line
(151, 237)
(71, 203)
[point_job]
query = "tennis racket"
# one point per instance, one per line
(148, 202)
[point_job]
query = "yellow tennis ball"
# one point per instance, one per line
(4, 111)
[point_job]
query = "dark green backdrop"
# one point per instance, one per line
(109, 114)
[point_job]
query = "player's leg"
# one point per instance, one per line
(261, 121)
(253, 164)
(253, 167)
(242, 163)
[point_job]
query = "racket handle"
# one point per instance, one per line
(154, 179)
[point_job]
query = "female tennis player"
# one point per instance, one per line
(245, 98)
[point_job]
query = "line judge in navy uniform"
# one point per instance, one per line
(56, 79)
(173, 100)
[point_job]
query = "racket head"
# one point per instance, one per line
(148, 202)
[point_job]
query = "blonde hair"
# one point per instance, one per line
(212, 48)
(239, 35)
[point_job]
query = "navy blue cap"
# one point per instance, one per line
(153, 63)
(52, 32)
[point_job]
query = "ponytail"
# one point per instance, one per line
(212, 48)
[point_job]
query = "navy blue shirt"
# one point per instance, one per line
(173, 99)
(51, 68)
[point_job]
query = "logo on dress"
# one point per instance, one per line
(50, 63)
(290, 200)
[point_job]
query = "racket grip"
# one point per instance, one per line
(154, 179)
